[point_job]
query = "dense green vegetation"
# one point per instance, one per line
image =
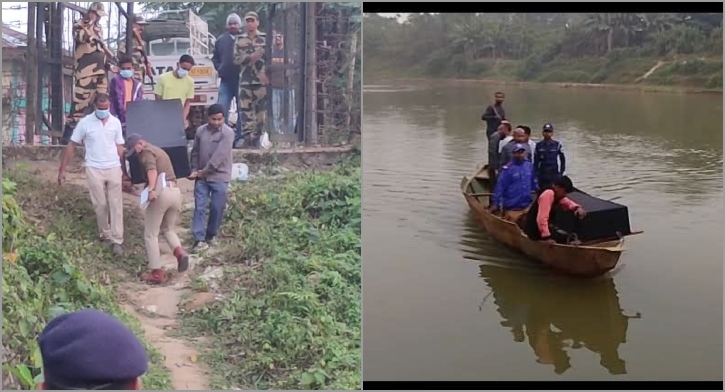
(292, 274)
(51, 265)
(576, 48)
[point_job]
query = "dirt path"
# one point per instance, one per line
(157, 307)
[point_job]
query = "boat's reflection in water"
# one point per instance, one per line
(556, 314)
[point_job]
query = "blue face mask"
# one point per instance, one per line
(103, 114)
(182, 72)
(126, 73)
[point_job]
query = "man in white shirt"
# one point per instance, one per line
(101, 135)
(531, 143)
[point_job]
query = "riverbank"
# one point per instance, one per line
(503, 83)
(682, 75)
(172, 318)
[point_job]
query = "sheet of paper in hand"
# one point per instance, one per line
(160, 186)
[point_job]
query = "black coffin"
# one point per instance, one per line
(604, 220)
(159, 123)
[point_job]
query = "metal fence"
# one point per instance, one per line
(316, 90)
(285, 59)
(337, 64)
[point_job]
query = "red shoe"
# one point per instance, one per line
(182, 259)
(157, 276)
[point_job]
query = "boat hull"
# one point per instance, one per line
(577, 260)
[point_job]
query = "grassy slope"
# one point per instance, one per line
(292, 282)
(292, 286)
(59, 267)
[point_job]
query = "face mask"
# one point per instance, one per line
(103, 114)
(182, 72)
(126, 73)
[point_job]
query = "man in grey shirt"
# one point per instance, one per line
(211, 167)
(504, 130)
(507, 152)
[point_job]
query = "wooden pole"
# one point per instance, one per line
(57, 110)
(129, 28)
(31, 76)
(311, 74)
(269, 118)
(41, 58)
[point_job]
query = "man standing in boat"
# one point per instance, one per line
(537, 219)
(550, 162)
(504, 130)
(507, 151)
(516, 183)
(531, 143)
(494, 114)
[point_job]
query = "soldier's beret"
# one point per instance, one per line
(90, 346)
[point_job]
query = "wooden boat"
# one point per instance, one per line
(585, 260)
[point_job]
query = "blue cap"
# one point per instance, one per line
(131, 141)
(90, 346)
(519, 147)
(548, 127)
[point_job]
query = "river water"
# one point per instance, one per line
(442, 301)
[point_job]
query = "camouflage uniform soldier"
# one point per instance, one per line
(141, 65)
(249, 53)
(91, 64)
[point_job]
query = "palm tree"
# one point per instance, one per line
(603, 23)
(659, 22)
(469, 33)
(630, 24)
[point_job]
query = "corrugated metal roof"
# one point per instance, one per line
(13, 38)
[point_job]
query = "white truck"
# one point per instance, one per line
(168, 36)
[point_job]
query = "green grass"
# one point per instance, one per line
(292, 285)
(54, 266)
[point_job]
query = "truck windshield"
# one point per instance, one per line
(174, 48)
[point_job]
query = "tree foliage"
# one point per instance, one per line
(456, 44)
(216, 13)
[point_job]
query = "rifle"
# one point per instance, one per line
(147, 63)
(111, 57)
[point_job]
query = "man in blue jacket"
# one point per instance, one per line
(550, 162)
(223, 60)
(515, 185)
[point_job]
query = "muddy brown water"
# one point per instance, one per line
(442, 301)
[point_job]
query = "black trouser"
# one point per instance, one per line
(545, 178)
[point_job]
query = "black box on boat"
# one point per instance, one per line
(160, 123)
(604, 220)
